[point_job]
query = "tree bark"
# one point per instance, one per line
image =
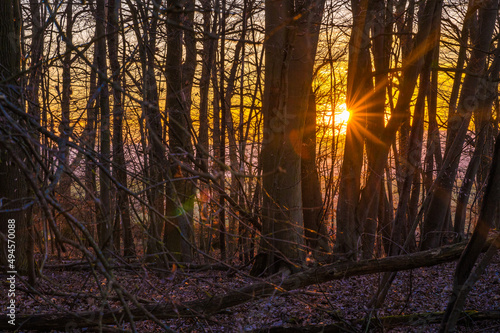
(178, 234)
(65, 124)
(315, 231)
(35, 75)
(104, 224)
(202, 148)
(123, 223)
(224, 110)
(381, 47)
(89, 141)
(359, 86)
(15, 206)
(290, 53)
(156, 161)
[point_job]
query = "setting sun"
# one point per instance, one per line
(342, 114)
(335, 120)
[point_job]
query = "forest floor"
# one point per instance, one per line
(417, 291)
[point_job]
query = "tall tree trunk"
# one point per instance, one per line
(65, 125)
(312, 202)
(404, 25)
(36, 60)
(15, 206)
(208, 53)
(179, 230)
(216, 136)
(290, 53)
(104, 224)
(433, 146)
(202, 150)
(381, 47)
(243, 230)
(226, 95)
(152, 140)
(223, 124)
(89, 140)
(122, 216)
(33, 98)
(359, 86)
(157, 162)
(413, 162)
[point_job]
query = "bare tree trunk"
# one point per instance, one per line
(312, 202)
(290, 54)
(359, 85)
(65, 125)
(433, 146)
(157, 161)
(36, 60)
(228, 125)
(179, 231)
(216, 136)
(15, 206)
(243, 231)
(207, 60)
(381, 47)
(223, 125)
(152, 140)
(89, 140)
(203, 141)
(120, 168)
(404, 25)
(33, 98)
(385, 218)
(104, 224)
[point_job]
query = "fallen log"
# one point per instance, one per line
(216, 303)
(421, 320)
